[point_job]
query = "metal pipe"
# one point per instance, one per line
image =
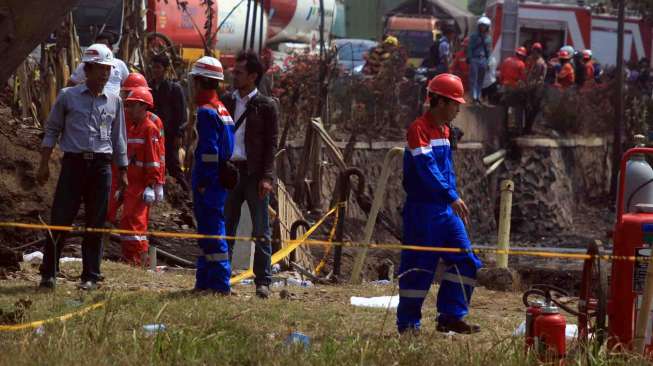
(374, 211)
(494, 166)
(494, 156)
(255, 14)
(617, 149)
(260, 28)
(505, 210)
(249, 5)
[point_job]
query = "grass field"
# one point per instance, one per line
(243, 330)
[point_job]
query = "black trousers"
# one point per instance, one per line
(87, 181)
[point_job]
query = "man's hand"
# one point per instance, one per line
(122, 180)
(44, 173)
(264, 187)
(460, 208)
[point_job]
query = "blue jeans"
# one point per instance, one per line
(476, 76)
(247, 191)
(87, 181)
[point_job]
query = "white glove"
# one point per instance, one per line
(149, 196)
(158, 191)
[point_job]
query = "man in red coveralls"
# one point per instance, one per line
(144, 172)
(135, 81)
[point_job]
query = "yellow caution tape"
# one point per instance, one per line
(38, 323)
(295, 243)
(332, 234)
(284, 252)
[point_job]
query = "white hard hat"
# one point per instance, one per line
(98, 54)
(208, 67)
(484, 21)
(568, 49)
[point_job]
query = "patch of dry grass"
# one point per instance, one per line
(244, 329)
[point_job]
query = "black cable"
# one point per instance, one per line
(639, 188)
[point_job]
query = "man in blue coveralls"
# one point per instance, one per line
(435, 216)
(215, 144)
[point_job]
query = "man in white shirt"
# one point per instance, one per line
(118, 74)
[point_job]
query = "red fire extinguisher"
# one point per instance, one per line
(532, 313)
(549, 334)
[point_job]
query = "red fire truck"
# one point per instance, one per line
(561, 22)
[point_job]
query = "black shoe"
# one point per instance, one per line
(458, 326)
(262, 291)
(88, 286)
(48, 283)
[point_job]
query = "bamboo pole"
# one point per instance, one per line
(494, 157)
(644, 310)
(505, 210)
(374, 211)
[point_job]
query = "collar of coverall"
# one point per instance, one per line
(204, 97)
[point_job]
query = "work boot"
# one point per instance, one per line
(48, 283)
(87, 286)
(458, 326)
(262, 291)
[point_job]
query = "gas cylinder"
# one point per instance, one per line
(639, 180)
(549, 334)
(532, 312)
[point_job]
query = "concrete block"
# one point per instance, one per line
(243, 257)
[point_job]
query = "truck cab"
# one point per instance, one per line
(415, 33)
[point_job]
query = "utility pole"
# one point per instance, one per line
(617, 149)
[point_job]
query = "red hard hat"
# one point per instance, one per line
(521, 51)
(449, 86)
(142, 95)
(536, 46)
(564, 55)
(135, 80)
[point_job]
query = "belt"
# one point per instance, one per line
(88, 155)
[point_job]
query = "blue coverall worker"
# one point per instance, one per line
(215, 129)
(478, 56)
(434, 216)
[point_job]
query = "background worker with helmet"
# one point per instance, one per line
(478, 56)
(535, 75)
(566, 76)
(89, 125)
(143, 172)
(215, 129)
(170, 106)
(434, 215)
(513, 80)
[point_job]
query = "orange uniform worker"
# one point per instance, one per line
(143, 173)
(589, 68)
(566, 76)
(513, 69)
(459, 66)
(133, 82)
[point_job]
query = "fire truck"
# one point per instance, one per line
(564, 22)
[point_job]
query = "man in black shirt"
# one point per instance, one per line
(170, 106)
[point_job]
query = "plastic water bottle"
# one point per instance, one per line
(154, 328)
